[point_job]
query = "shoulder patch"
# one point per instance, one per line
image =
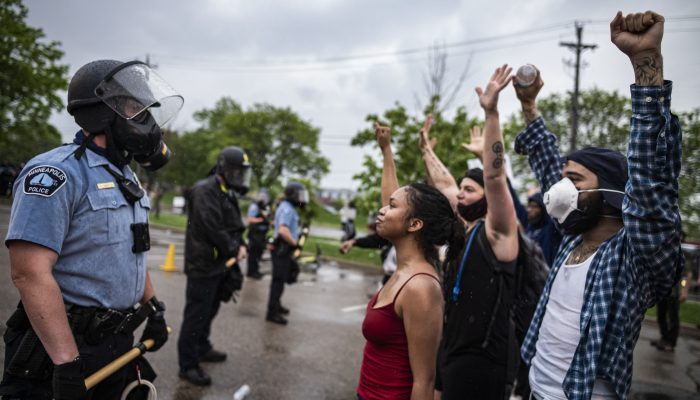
(44, 180)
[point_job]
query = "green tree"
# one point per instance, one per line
(278, 142)
(603, 122)
(409, 162)
(689, 181)
(30, 76)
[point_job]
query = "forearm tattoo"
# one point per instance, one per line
(648, 70)
(433, 164)
(498, 152)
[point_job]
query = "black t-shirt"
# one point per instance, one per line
(467, 320)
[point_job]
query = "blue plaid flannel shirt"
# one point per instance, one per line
(634, 268)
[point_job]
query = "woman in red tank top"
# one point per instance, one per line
(403, 323)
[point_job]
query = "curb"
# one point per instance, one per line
(686, 329)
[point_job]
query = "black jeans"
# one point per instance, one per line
(256, 247)
(201, 306)
(281, 265)
(473, 377)
(94, 357)
(667, 312)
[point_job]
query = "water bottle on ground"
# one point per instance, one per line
(526, 75)
(241, 393)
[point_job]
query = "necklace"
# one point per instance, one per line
(582, 252)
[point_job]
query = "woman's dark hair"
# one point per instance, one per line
(440, 224)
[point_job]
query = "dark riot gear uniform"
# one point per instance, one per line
(214, 236)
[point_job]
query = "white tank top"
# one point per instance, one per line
(560, 334)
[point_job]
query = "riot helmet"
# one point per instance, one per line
(296, 194)
(128, 102)
(233, 167)
(263, 197)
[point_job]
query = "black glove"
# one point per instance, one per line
(156, 328)
(68, 381)
(231, 283)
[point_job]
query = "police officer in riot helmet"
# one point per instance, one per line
(233, 167)
(287, 232)
(213, 247)
(78, 236)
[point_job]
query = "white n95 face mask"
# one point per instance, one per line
(561, 199)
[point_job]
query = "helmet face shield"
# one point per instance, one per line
(303, 196)
(238, 178)
(135, 88)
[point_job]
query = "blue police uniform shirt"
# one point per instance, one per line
(287, 215)
(74, 207)
(253, 210)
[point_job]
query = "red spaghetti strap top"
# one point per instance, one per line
(386, 370)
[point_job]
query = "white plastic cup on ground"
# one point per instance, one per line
(241, 393)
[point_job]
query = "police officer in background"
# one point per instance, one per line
(77, 238)
(258, 224)
(214, 237)
(287, 230)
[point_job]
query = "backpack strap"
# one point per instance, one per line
(411, 277)
(455, 290)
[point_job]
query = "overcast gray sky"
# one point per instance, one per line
(287, 52)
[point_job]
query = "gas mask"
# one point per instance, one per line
(237, 178)
(561, 202)
(300, 198)
(143, 103)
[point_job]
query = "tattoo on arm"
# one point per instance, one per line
(498, 151)
(648, 70)
(437, 166)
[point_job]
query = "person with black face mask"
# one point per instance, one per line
(78, 237)
(541, 227)
(478, 279)
(619, 215)
(213, 247)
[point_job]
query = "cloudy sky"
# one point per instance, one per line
(335, 61)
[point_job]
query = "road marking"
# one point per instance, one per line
(354, 308)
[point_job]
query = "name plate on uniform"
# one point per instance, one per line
(105, 185)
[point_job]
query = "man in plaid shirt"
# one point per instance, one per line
(621, 252)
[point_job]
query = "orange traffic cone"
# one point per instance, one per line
(169, 265)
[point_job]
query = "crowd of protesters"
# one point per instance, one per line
(444, 324)
(606, 224)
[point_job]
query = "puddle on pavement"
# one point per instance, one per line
(329, 271)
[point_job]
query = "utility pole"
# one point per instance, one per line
(577, 47)
(148, 62)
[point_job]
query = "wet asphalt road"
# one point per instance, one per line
(318, 355)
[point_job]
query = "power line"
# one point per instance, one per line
(402, 52)
(286, 63)
(326, 68)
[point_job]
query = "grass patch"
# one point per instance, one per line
(177, 221)
(689, 312)
(329, 248)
